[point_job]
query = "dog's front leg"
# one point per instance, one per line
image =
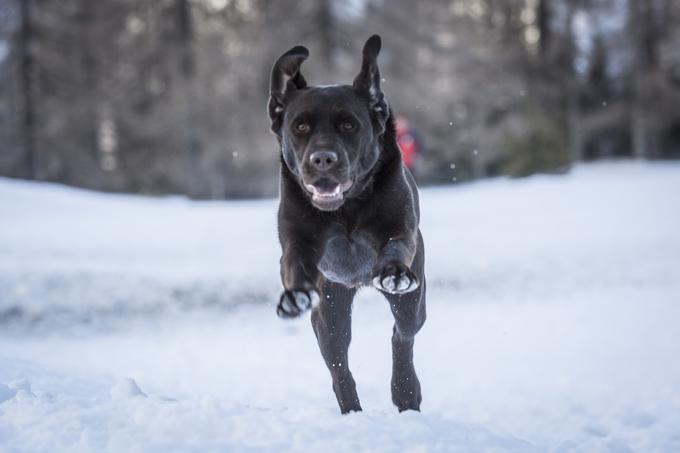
(298, 274)
(392, 273)
(405, 290)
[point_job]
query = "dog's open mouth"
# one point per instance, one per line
(327, 193)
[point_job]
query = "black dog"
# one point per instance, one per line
(348, 216)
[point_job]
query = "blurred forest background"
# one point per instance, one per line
(168, 96)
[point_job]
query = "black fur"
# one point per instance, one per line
(348, 216)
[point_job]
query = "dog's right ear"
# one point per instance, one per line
(286, 77)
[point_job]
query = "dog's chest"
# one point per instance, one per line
(347, 259)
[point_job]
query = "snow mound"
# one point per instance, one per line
(20, 384)
(209, 424)
(125, 389)
(6, 393)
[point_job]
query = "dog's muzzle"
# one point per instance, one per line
(327, 194)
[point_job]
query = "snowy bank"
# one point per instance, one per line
(132, 323)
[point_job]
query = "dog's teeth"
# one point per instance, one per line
(333, 194)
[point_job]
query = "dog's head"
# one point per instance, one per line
(329, 135)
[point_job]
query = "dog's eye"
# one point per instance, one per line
(347, 126)
(302, 128)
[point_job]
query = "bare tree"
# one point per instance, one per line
(24, 44)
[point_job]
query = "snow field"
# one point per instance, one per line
(139, 324)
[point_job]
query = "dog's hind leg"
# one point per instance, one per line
(409, 315)
(332, 322)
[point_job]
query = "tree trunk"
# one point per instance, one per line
(574, 124)
(543, 19)
(646, 38)
(572, 91)
(26, 77)
(325, 21)
(195, 187)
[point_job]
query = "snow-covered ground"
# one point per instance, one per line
(553, 324)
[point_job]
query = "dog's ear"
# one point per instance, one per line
(368, 79)
(286, 77)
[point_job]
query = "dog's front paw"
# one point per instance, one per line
(396, 278)
(295, 302)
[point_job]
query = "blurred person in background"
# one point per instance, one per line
(409, 141)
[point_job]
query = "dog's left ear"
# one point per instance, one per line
(368, 79)
(286, 77)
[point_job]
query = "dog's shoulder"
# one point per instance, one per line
(395, 193)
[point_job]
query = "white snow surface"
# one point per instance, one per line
(148, 324)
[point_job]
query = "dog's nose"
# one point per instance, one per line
(323, 160)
